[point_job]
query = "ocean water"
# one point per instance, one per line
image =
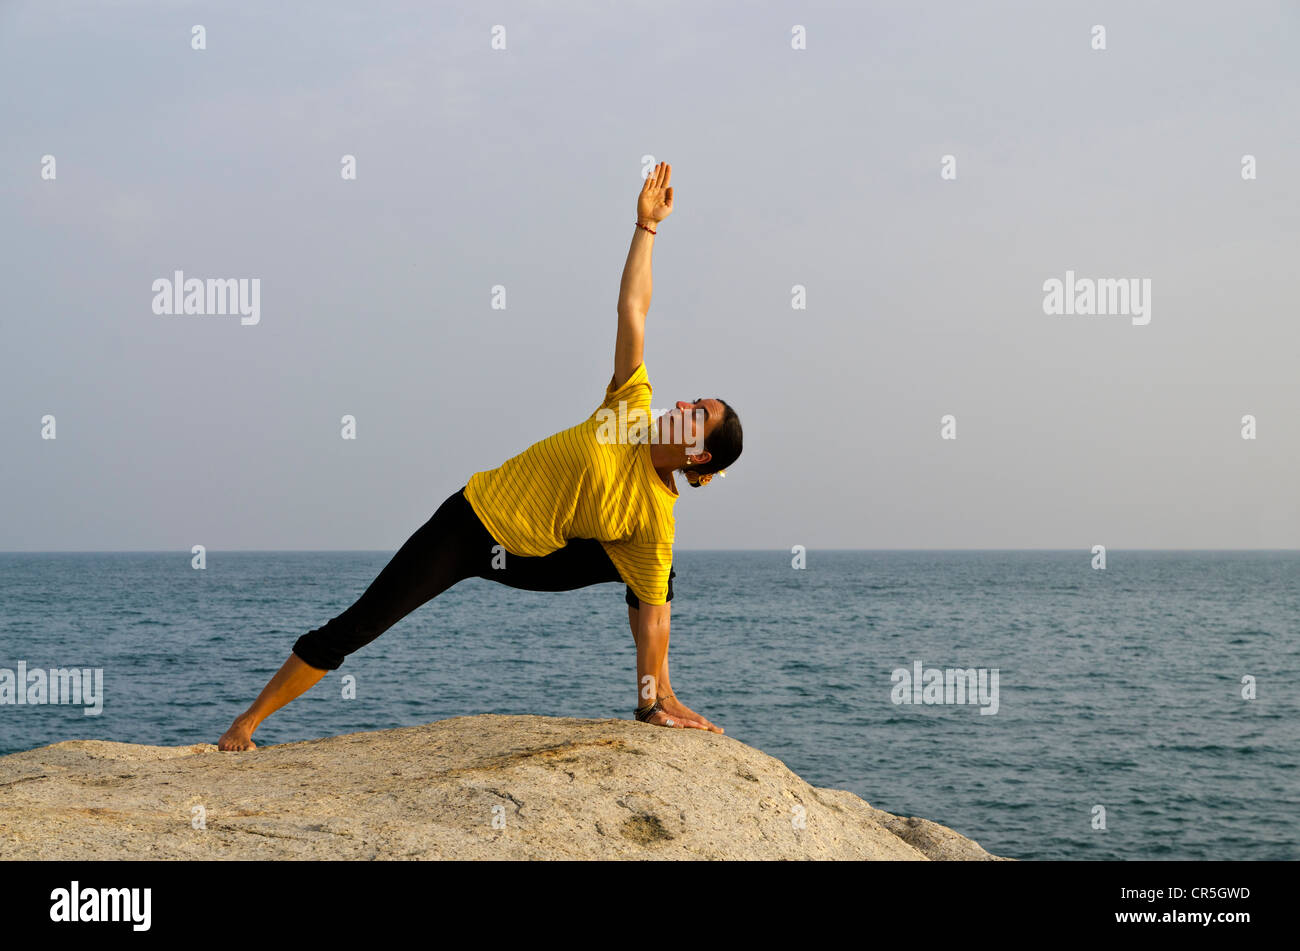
(1120, 688)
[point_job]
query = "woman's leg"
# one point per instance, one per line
(580, 563)
(293, 679)
(445, 550)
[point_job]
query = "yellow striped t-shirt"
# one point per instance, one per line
(592, 480)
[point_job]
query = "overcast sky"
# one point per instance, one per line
(519, 167)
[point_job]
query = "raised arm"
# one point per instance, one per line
(653, 205)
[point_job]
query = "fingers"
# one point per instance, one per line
(674, 721)
(697, 720)
(659, 177)
(668, 720)
(668, 196)
(679, 723)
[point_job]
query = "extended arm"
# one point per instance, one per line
(650, 629)
(654, 204)
(662, 683)
(652, 624)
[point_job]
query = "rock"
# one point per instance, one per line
(479, 787)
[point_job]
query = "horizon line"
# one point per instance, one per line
(269, 551)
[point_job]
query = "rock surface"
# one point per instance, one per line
(479, 787)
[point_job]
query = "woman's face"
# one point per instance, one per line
(688, 423)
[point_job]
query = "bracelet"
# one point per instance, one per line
(639, 225)
(645, 713)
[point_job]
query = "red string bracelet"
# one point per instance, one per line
(639, 225)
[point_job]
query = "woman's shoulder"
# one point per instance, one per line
(616, 390)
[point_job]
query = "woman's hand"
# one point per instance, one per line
(655, 203)
(671, 713)
(681, 713)
(662, 717)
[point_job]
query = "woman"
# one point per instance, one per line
(590, 504)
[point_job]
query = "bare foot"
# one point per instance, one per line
(238, 737)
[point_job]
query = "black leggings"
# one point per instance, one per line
(451, 546)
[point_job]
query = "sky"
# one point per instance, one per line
(503, 145)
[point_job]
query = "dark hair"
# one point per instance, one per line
(723, 444)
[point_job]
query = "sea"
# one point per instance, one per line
(1149, 709)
